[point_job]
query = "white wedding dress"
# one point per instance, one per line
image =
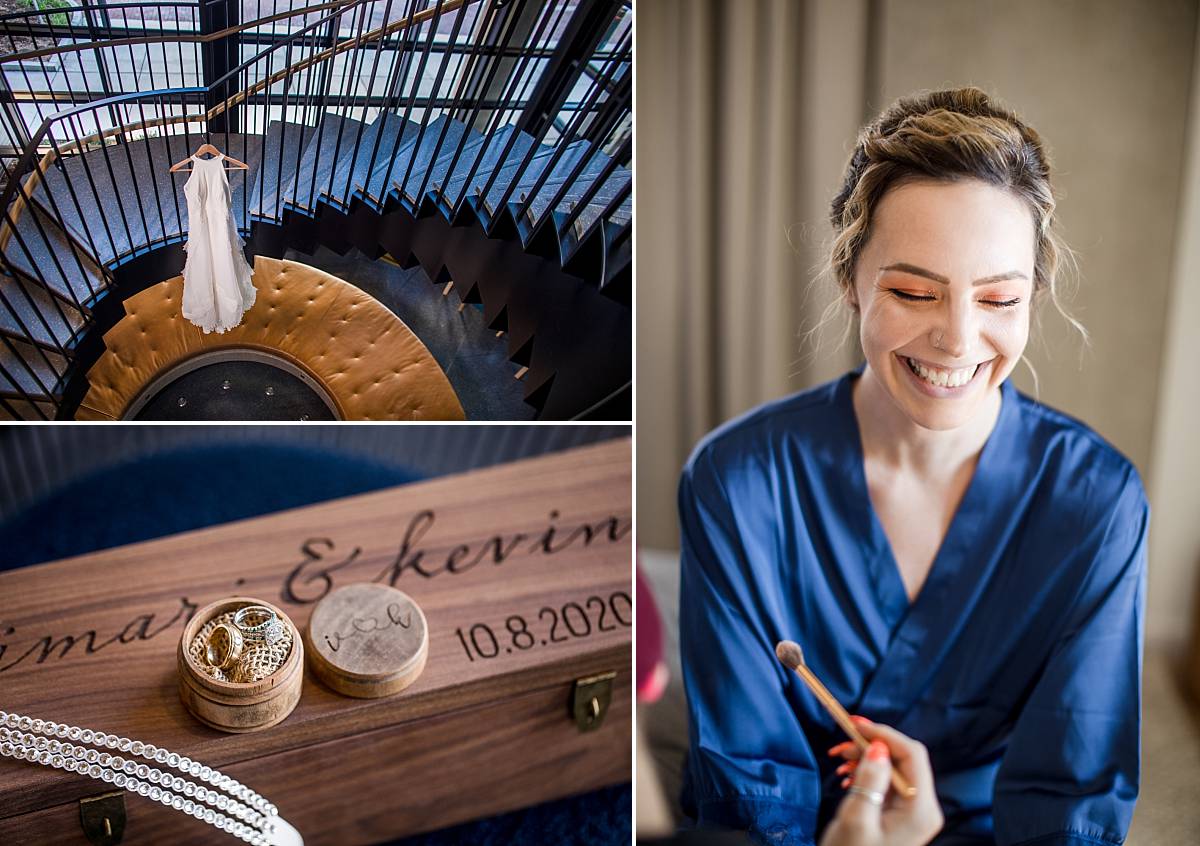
(217, 289)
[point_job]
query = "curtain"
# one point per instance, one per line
(746, 115)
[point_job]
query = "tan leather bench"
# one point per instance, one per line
(366, 359)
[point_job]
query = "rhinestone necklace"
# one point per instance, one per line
(224, 803)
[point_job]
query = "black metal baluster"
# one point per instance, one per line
(56, 297)
(613, 163)
(607, 214)
(512, 101)
(38, 273)
(58, 218)
(24, 165)
(103, 150)
(20, 286)
(19, 129)
(263, 162)
(437, 89)
(162, 107)
(153, 176)
(554, 87)
(511, 13)
(87, 171)
(58, 348)
(42, 351)
(344, 95)
(123, 140)
(45, 72)
(391, 99)
(412, 98)
(287, 78)
(607, 120)
(567, 137)
(15, 385)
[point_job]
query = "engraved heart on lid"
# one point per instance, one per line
(367, 640)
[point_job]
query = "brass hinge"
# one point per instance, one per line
(590, 698)
(103, 818)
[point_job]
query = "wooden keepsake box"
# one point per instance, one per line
(523, 692)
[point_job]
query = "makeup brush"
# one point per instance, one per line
(790, 655)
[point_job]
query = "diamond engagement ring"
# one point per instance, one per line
(224, 646)
(259, 624)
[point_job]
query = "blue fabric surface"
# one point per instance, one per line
(601, 818)
(1018, 664)
(180, 490)
(188, 489)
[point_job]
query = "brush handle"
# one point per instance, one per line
(899, 782)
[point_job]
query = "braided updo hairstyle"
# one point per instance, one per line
(946, 135)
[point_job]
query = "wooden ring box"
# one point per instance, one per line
(233, 706)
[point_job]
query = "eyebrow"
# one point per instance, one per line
(905, 267)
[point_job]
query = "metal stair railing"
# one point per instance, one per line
(64, 132)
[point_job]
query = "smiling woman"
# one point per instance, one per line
(955, 559)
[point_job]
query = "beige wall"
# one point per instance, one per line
(1175, 469)
(1108, 83)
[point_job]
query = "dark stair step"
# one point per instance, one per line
(577, 165)
(430, 160)
(561, 175)
(388, 162)
(28, 371)
(248, 148)
(618, 251)
(475, 167)
(23, 302)
(282, 148)
(355, 162)
(150, 206)
(319, 161)
(19, 409)
(121, 186)
(51, 256)
(515, 172)
(440, 189)
(612, 187)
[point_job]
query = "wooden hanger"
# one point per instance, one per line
(209, 148)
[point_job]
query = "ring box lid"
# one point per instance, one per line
(367, 640)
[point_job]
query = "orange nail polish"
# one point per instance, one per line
(877, 751)
(862, 720)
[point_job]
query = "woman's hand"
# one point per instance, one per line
(897, 821)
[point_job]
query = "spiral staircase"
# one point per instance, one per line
(486, 141)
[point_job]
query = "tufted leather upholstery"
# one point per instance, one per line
(367, 359)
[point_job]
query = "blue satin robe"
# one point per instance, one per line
(1018, 664)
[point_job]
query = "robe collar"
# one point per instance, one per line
(914, 638)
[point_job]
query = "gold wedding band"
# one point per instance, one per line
(224, 646)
